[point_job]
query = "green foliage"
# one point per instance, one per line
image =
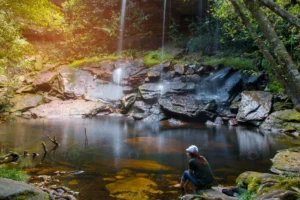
(275, 87)
(94, 59)
(17, 16)
(247, 195)
(155, 57)
(177, 38)
(236, 62)
(13, 174)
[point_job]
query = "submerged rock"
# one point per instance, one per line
(133, 188)
(283, 122)
(10, 189)
(254, 107)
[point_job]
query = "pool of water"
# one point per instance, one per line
(116, 152)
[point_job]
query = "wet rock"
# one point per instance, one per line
(69, 108)
(127, 101)
(10, 189)
(234, 107)
(283, 122)
(173, 123)
(151, 92)
(233, 122)
(211, 107)
(287, 162)
(26, 102)
(183, 106)
(253, 82)
(179, 69)
(191, 78)
(153, 76)
(255, 106)
(128, 90)
(215, 193)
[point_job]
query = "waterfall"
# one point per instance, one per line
(163, 32)
(117, 76)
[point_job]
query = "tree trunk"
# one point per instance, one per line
(288, 70)
(281, 12)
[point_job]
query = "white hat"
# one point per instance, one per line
(192, 149)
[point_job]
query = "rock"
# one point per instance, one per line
(127, 101)
(215, 193)
(69, 108)
(26, 102)
(10, 189)
(211, 107)
(269, 186)
(189, 71)
(179, 69)
(3, 81)
(233, 122)
(128, 90)
(282, 123)
(287, 162)
(181, 106)
(153, 76)
(191, 78)
(44, 80)
(255, 106)
(151, 92)
(26, 89)
(171, 123)
(282, 102)
(234, 107)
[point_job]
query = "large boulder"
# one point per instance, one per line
(44, 80)
(26, 102)
(69, 108)
(10, 189)
(254, 107)
(287, 162)
(285, 122)
(147, 112)
(184, 107)
(152, 91)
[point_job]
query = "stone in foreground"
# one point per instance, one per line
(10, 189)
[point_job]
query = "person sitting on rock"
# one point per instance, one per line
(199, 172)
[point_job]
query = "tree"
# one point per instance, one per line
(17, 16)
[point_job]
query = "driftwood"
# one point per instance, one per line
(53, 140)
(8, 158)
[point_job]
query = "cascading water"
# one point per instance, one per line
(163, 31)
(117, 74)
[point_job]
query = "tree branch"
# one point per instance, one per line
(281, 12)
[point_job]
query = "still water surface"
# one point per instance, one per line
(136, 151)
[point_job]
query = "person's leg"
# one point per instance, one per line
(186, 178)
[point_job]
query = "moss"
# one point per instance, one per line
(247, 195)
(236, 62)
(275, 87)
(77, 63)
(13, 174)
(155, 57)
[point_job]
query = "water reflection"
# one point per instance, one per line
(110, 145)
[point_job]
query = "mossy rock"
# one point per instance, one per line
(282, 122)
(287, 161)
(264, 184)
